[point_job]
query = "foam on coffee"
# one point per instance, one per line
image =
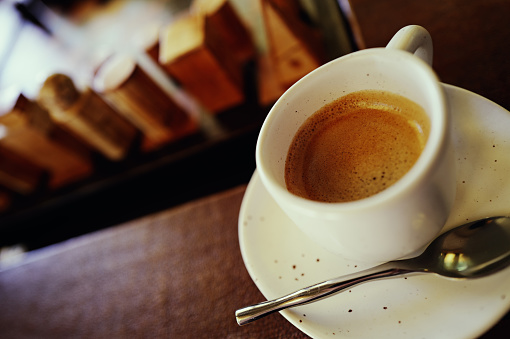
(356, 147)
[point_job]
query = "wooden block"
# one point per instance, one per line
(128, 88)
(269, 86)
(88, 116)
(18, 174)
(225, 27)
(30, 132)
(201, 64)
(295, 47)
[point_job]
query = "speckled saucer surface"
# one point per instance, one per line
(280, 259)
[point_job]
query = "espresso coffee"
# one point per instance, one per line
(356, 146)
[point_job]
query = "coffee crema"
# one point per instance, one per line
(356, 146)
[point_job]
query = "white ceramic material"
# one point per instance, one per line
(281, 259)
(401, 219)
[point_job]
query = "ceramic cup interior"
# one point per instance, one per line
(380, 69)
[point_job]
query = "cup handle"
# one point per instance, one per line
(413, 39)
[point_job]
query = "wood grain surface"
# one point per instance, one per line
(173, 274)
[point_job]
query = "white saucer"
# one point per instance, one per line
(280, 259)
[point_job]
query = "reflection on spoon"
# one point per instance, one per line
(473, 250)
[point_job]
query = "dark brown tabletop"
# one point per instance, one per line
(173, 274)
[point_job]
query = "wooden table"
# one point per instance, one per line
(179, 273)
(173, 274)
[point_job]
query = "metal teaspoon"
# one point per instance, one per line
(473, 250)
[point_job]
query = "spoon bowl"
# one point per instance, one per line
(473, 250)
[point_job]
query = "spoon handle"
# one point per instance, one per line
(315, 292)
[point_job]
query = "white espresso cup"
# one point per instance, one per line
(401, 220)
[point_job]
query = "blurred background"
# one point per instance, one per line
(110, 110)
